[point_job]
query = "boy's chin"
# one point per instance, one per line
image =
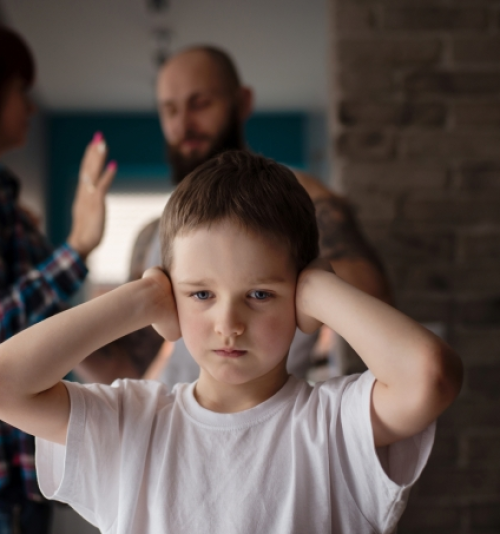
(231, 378)
(241, 377)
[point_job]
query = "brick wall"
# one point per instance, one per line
(416, 129)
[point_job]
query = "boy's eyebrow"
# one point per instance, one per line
(197, 283)
(256, 281)
(268, 280)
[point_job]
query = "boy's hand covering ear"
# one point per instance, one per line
(167, 322)
(306, 322)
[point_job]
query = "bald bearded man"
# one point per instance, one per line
(203, 107)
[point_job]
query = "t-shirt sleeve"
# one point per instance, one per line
(107, 425)
(379, 480)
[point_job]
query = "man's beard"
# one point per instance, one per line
(230, 138)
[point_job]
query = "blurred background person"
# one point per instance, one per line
(36, 279)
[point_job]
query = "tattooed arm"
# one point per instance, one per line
(129, 356)
(342, 242)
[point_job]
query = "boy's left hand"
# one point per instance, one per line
(303, 305)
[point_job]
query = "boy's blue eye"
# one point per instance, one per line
(202, 295)
(259, 295)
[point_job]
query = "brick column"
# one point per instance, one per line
(415, 124)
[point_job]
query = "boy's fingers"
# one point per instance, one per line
(154, 272)
(160, 277)
(322, 264)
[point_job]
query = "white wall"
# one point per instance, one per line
(96, 54)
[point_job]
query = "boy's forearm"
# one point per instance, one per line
(393, 346)
(37, 358)
(364, 275)
(418, 375)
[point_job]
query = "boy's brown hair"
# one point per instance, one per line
(257, 193)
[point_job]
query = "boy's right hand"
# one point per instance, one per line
(304, 296)
(166, 321)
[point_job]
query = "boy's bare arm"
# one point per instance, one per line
(32, 363)
(418, 375)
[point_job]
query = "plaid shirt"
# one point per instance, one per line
(35, 280)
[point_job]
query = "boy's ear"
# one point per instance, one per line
(154, 272)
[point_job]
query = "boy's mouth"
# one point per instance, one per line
(230, 353)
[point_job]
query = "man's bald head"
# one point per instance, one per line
(217, 58)
(202, 106)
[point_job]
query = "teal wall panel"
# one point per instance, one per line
(280, 136)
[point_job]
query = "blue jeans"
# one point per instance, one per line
(27, 518)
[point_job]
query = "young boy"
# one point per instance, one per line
(246, 448)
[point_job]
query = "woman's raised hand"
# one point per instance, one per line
(89, 210)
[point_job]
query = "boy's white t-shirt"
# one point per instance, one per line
(141, 460)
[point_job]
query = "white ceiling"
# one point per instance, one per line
(97, 54)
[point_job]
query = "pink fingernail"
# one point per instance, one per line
(112, 165)
(98, 137)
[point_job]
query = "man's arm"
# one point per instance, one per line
(417, 374)
(160, 361)
(342, 242)
(32, 363)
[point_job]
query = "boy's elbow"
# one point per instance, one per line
(444, 377)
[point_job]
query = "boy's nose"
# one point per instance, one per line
(228, 324)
